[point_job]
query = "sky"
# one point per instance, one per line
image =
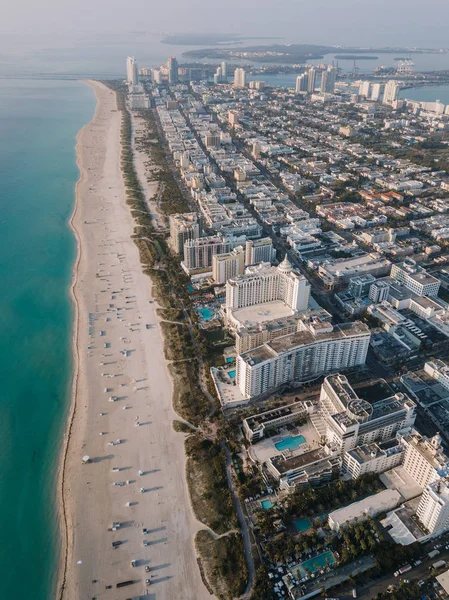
(351, 22)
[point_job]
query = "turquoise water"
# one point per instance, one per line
(267, 504)
(315, 563)
(206, 314)
(38, 125)
(232, 373)
(302, 525)
(291, 442)
(229, 359)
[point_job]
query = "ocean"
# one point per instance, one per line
(39, 121)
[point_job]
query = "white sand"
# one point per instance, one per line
(141, 381)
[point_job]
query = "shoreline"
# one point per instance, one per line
(86, 513)
(65, 534)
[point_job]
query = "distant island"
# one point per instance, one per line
(354, 57)
(290, 53)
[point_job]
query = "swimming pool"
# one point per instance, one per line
(315, 563)
(291, 442)
(206, 314)
(266, 504)
(232, 373)
(229, 359)
(302, 525)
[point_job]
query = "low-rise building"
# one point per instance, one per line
(369, 507)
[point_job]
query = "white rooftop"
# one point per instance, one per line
(383, 501)
(259, 313)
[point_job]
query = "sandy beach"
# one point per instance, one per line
(122, 392)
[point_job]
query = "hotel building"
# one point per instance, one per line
(183, 227)
(225, 266)
(415, 278)
(318, 348)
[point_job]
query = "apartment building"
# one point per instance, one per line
(256, 426)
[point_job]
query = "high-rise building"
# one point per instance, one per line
(328, 79)
(240, 78)
(365, 89)
(391, 92)
(233, 117)
(377, 90)
(218, 76)
(183, 227)
(311, 75)
(433, 508)
(224, 70)
(424, 458)
(302, 83)
(351, 421)
(306, 354)
(257, 251)
(198, 253)
(225, 266)
(132, 72)
(264, 283)
(172, 70)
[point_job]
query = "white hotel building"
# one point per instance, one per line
(264, 283)
(316, 349)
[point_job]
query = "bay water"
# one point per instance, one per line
(39, 121)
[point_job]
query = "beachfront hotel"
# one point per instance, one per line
(318, 348)
(265, 283)
(199, 252)
(183, 227)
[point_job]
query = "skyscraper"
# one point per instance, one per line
(391, 92)
(218, 76)
(224, 70)
(328, 78)
(311, 74)
(172, 70)
(302, 83)
(132, 74)
(240, 78)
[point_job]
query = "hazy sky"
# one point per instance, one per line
(356, 22)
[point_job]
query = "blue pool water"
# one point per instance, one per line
(291, 442)
(315, 563)
(229, 359)
(232, 373)
(267, 504)
(190, 289)
(206, 314)
(302, 525)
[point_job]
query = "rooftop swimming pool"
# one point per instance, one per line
(302, 525)
(266, 504)
(229, 359)
(206, 314)
(291, 442)
(232, 373)
(316, 563)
